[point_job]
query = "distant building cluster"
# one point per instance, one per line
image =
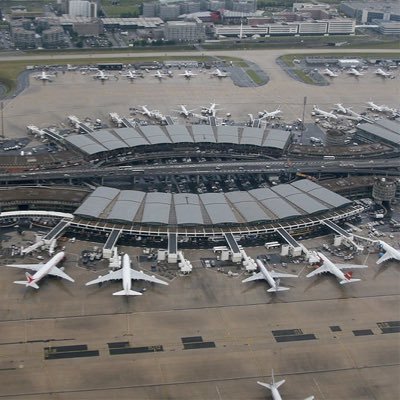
(197, 20)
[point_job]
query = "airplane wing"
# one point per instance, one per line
(33, 267)
(139, 275)
(350, 266)
(254, 277)
(58, 272)
(387, 256)
(318, 271)
(109, 277)
(275, 274)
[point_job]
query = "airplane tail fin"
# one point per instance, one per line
(29, 281)
(127, 293)
(267, 385)
(278, 289)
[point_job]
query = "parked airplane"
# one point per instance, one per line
(374, 107)
(126, 273)
(130, 75)
(390, 253)
(146, 111)
(266, 114)
(269, 277)
(340, 108)
(325, 265)
(219, 74)
(353, 71)
(273, 387)
(322, 113)
(211, 111)
(49, 268)
(101, 76)
(71, 67)
(160, 75)
(329, 73)
(184, 111)
(188, 74)
(354, 115)
(45, 77)
(383, 73)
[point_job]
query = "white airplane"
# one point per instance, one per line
(184, 111)
(383, 73)
(211, 111)
(325, 265)
(273, 387)
(340, 108)
(390, 252)
(45, 77)
(159, 75)
(71, 67)
(49, 268)
(329, 73)
(101, 76)
(219, 74)
(188, 74)
(147, 112)
(353, 71)
(269, 277)
(126, 273)
(374, 107)
(267, 114)
(353, 115)
(130, 75)
(323, 113)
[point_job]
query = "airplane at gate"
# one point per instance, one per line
(219, 74)
(212, 110)
(269, 114)
(42, 270)
(323, 113)
(45, 77)
(130, 75)
(184, 111)
(353, 71)
(390, 253)
(101, 76)
(326, 265)
(273, 387)
(126, 273)
(383, 73)
(160, 75)
(329, 73)
(269, 277)
(188, 74)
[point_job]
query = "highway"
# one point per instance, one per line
(389, 166)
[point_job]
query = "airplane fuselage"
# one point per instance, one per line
(37, 276)
(266, 274)
(126, 273)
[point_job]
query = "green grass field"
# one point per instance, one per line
(254, 77)
(124, 7)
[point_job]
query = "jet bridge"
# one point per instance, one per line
(295, 247)
(169, 120)
(236, 255)
(172, 247)
(212, 121)
(256, 123)
(344, 236)
(56, 231)
(110, 243)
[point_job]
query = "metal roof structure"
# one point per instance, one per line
(300, 198)
(276, 138)
(121, 138)
(384, 129)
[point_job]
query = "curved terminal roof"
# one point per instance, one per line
(300, 198)
(119, 138)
